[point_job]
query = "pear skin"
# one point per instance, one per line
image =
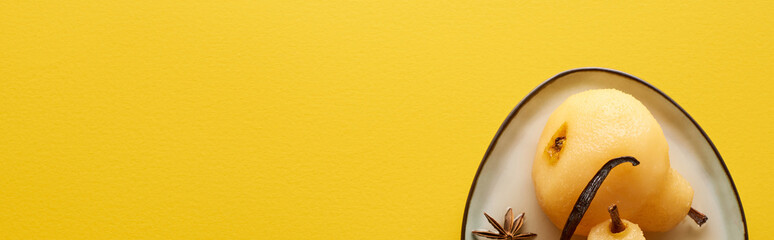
(668, 206)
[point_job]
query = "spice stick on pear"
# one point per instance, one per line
(587, 196)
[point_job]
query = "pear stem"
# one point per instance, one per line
(616, 225)
(697, 216)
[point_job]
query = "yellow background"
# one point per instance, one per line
(330, 119)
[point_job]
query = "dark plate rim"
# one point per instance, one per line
(628, 76)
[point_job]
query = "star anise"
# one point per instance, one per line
(507, 232)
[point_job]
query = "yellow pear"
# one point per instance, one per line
(616, 228)
(602, 232)
(581, 135)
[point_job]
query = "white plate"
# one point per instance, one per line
(504, 176)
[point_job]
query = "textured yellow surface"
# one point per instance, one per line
(330, 119)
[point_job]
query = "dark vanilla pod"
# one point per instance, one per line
(584, 200)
